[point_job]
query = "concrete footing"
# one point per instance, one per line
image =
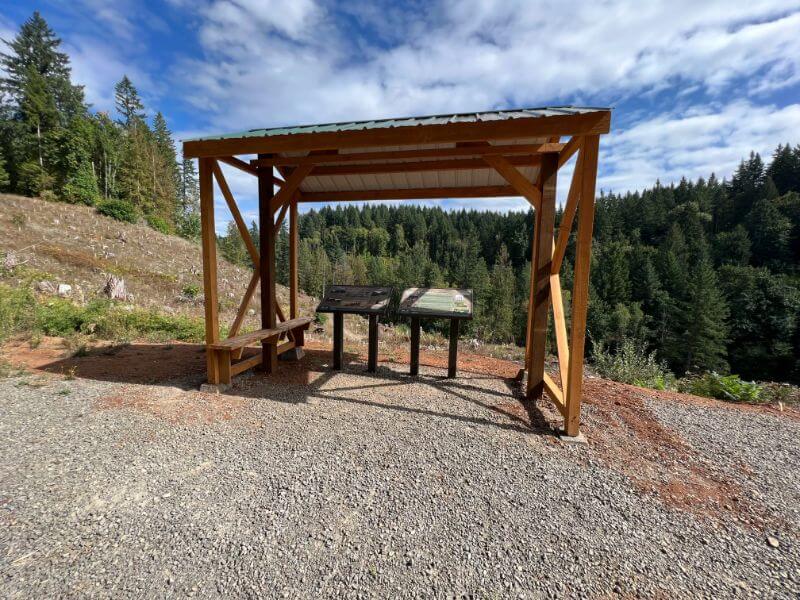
(579, 439)
(292, 354)
(214, 388)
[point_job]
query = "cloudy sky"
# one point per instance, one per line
(694, 85)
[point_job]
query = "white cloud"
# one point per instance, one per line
(266, 64)
(269, 63)
(98, 66)
(693, 143)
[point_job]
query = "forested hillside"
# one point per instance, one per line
(705, 273)
(52, 145)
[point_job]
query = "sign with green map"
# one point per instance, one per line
(436, 302)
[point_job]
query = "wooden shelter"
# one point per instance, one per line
(471, 155)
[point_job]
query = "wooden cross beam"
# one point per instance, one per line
(517, 180)
(288, 189)
(356, 157)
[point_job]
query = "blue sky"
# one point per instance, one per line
(694, 85)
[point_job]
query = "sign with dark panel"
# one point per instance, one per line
(355, 299)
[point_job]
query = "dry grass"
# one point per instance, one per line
(73, 244)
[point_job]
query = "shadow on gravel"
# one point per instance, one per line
(183, 366)
(178, 365)
(297, 382)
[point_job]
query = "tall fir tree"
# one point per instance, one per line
(128, 103)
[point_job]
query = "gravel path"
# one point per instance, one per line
(363, 486)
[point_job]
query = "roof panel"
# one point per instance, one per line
(497, 115)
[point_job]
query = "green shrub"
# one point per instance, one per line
(320, 318)
(632, 364)
(722, 387)
(159, 224)
(119, 210)
(191, 291)
(120, 324)
(81, 188)
(32, 179)
(60, 317)
(49, 196)
(17, 307)
(21, 313)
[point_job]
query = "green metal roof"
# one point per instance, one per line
(474, 117)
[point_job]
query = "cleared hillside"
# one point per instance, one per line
(75, 245)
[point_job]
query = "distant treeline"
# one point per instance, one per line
(52, 145)
(705, 273)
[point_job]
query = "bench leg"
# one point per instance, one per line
(299, 337)
(338, 340)
(269, 352)
(224, 361)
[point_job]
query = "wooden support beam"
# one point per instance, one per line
(242, 311)
(580, 291)
(246, 167)
(208, 241)
(475, 150)
(410, 194)
(266, 218)
(545, 221)
(555, 394)
(247, 363)
(568, 216)
(462, 164)
(517, 180)
(239, 164)
(590, 123)
(570, 148)
(289, 188)
(531, 282)
(560, 327)
(293, 259)
(237, 216)
(281, 215)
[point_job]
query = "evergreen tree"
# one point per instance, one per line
(128, 103)
(785, 169)
(500, 308)
(34, 51)
(188, 217)
(770, 232)
(703, 321)
(4, 178)
(745, 186)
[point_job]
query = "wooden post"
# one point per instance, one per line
(208, 241)
(452, 355)
(293, 277)
(414, 346)
(580, 290)
(338, 340)
(540, 271)
(372, 362)
(266, 230)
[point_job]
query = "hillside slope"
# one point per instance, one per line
(75, 245)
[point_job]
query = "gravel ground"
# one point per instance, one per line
(320, 485)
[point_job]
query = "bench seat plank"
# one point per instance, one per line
(240, 341)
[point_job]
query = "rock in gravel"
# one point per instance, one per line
(773, 541)
(64, 289)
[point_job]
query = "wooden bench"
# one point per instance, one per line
(224, 349)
